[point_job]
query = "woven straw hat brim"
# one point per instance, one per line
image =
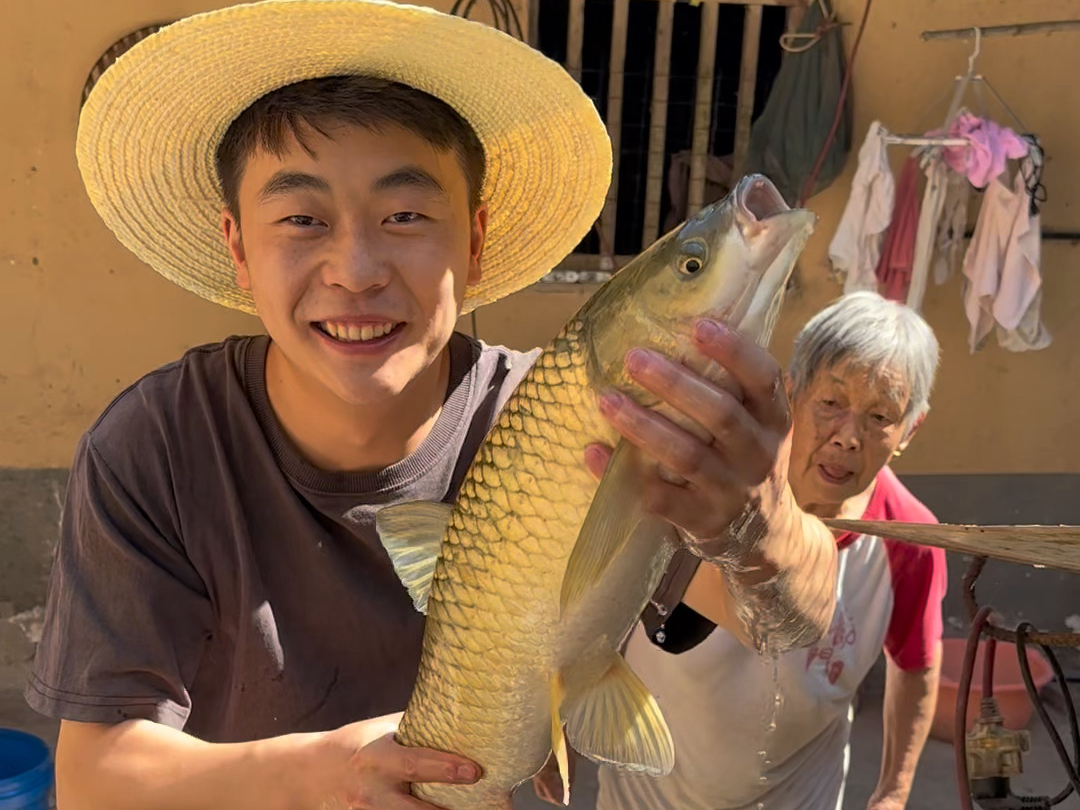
(150, 128)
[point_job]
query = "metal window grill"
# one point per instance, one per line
(677, 84)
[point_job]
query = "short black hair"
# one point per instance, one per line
(357, 100)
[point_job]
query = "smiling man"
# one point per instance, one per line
(224, 628)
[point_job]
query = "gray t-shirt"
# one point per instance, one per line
(209, 578)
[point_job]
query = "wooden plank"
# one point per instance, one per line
(590, 262)
(1020, 29)
(533, 36)
(1045, 546)
(789, 3)
(575, 38)
(699, 149)
(654, 176)
(616, 79)
(747, 84)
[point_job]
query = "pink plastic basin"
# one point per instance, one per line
(1012, 697)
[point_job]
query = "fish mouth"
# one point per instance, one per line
(778, 234)
(759, 199)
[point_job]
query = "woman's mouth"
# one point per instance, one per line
(835, 475)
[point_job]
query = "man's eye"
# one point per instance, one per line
(302, 220)
(404, 217)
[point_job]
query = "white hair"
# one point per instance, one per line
(871, 332)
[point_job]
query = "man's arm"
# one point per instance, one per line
(910, 700)
(139, 763)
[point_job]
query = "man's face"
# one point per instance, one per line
(357, 256)
(846, 425)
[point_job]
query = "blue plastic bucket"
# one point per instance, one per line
(26, 771)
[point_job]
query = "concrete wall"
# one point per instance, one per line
(80, 318)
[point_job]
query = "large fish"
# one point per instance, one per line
(532, 578)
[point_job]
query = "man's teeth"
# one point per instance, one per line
(354, 333)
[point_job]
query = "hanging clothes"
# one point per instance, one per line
(949, 245)
(989, 145)
(855, 248)
(1017, 308)
(897, 252)
(1002, 289)
(932, 204)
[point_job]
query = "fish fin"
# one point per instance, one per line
(611, 520)
(412, 534)
(617, 722)
(558, 738)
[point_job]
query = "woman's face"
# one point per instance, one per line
(847, 424)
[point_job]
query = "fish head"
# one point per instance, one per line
(730, 262)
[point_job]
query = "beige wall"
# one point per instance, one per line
(994, 411)
(80, 318)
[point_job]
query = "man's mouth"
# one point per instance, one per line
(835, 475)
(356, 332)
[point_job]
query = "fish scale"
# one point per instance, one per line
(525, 544)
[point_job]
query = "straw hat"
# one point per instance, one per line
(150, 127)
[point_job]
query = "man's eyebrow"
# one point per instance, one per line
(286, 181)
(407, 176)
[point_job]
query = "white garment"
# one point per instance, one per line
(717, 698)
(951, 227)
(856, 246)
(932, 203)
(1002, 287)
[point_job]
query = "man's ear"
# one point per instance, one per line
(230, 230)
(477, 235)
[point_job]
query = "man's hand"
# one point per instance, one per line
(746, 418)
(548, 785)
(138, 764)
(886, 802)
(371, 770)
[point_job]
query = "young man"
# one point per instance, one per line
(224, 628)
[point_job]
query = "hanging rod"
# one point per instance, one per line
(922, 140)
(1019, 29)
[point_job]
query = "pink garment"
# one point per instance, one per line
(1002, 288)
(989, 146)
(897, 252)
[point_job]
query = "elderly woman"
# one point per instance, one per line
(760, 731)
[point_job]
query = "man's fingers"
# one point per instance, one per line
(754, 368)
(408, 764)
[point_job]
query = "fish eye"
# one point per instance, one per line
(692, 259)
(690, 265)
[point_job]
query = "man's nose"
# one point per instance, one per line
(357, 262)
